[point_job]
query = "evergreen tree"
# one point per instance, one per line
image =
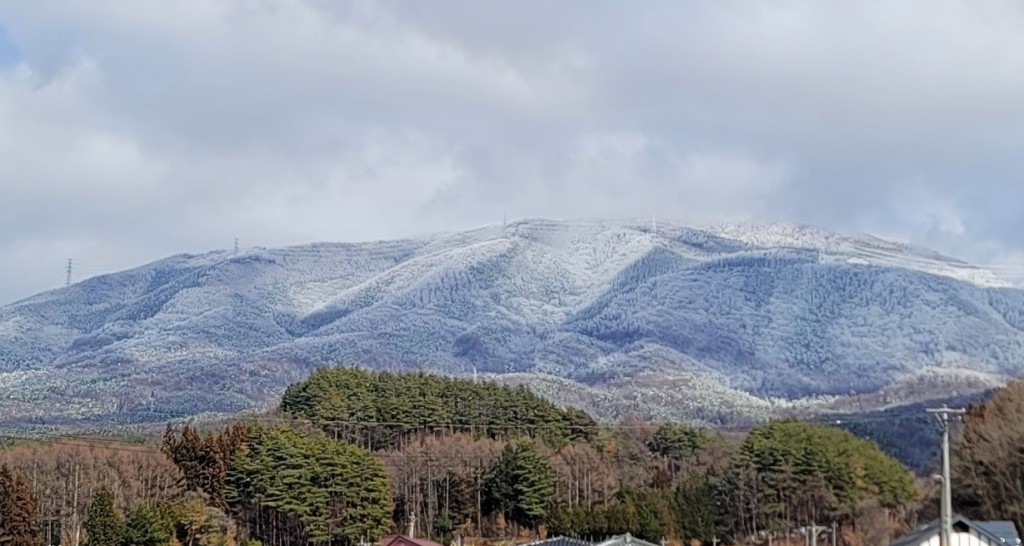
(18, 526)
(697, 510)
(103, 526)
(319, 490)
(146, 526)
(377, 409)
(521, 485)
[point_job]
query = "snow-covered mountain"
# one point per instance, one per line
(718, 323)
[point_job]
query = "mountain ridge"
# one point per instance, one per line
(752, 319)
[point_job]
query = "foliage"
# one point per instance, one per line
(697, 511)
(18, 525)
(66, 474)
(789, 473)
(147, 526)
(287, 483)
(988, 461)
(521, 485)
(292, 485)
(678, 442)
(196, 524)
(104, 526)
(906, 432)
(376, 409)
(204, 460)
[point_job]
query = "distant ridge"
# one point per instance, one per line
(720, 324)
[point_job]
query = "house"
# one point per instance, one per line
(619, 540)
(625, 540)
(560, 541)
(965, 533)
(399, 540)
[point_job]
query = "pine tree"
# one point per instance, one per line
(321, 490)
(18, 526)
(146, 526)
(103, 526)
(521, 485)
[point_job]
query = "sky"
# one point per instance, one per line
(128, 134)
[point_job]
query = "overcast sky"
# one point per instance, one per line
(134, 130)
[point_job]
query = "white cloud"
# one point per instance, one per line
(129, 134)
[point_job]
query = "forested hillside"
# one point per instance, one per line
(718, 325)
(907, 432)
(351, 455)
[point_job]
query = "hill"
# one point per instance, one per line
(723, 324)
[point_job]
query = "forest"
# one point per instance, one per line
(351, 455)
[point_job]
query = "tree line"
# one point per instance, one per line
(352, 455)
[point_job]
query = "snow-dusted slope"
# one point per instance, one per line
(718, 323)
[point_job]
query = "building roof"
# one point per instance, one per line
(560, 541)
(1004, 532)
(625, 540)
(399, 540)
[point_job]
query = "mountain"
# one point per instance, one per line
(721, 324)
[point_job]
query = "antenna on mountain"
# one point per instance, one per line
(67, 274)
(236, 246)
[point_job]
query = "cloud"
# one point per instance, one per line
(130, 134)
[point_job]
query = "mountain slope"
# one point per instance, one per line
(722, 324)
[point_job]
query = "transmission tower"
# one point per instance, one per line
(67, 274)
(236, 246)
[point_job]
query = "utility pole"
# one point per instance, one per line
(67, 274)
(946, 508)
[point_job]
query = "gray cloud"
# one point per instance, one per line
(128, 135)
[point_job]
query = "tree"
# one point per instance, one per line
(521, 485)
(65, 476)
(146, 526)
(196, 524)
(988, 462)
(678, 442)
(286, 486)
(204, 460)
(18, 526)
(789, 473)
(696, 509)
(104, 526)
(377, 410)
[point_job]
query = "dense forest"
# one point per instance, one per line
(351, 456)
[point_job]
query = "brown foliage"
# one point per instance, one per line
(18, 526)
(204, 460)
(988, 481)
(62, 475)
(585, 478)
(434, 475)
